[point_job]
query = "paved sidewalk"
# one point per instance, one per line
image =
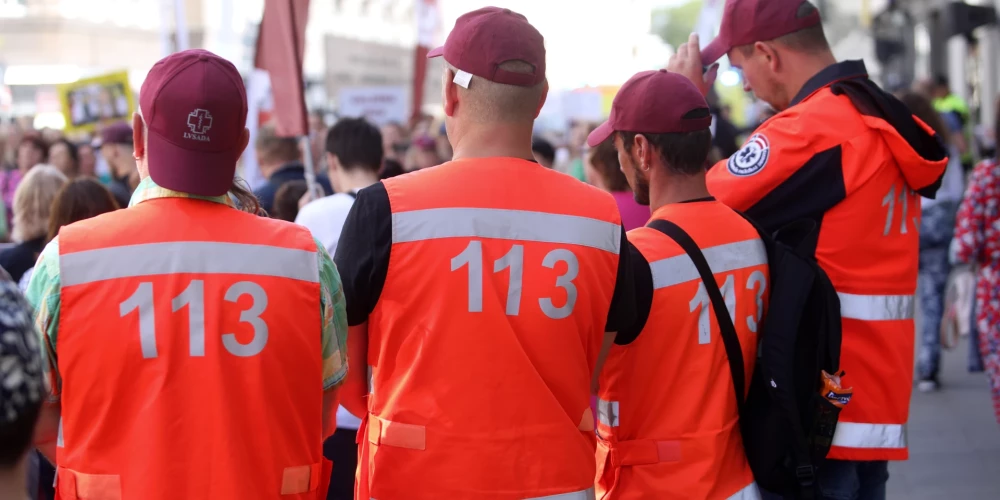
(954, 440)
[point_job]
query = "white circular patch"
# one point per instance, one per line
(752, 158)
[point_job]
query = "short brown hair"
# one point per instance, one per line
(81, 199)
(604, 159)
(274, 149)
(286, 200)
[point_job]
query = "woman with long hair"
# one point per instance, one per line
(32, 207)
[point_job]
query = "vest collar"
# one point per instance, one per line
(148, 190)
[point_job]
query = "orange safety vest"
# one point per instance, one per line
(868, 244)
(189, 368)
(486, 333)
(667, 416)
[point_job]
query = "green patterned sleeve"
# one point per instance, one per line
(333, 310)
(43, 295)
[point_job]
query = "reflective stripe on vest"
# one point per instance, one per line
(196, 257)
(587, 494)
(876, 307)
(721, 258)
(855, 435)
(437, 223)
(751, 492)
(607, 412)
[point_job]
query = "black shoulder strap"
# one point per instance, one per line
(729, 337)
(352, 194)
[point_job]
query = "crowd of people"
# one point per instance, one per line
(172, 349)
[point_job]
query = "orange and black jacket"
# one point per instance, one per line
(852, 158)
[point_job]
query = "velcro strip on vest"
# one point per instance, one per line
(73, 485)
(400, 435)
(301, 479)
(648, 451)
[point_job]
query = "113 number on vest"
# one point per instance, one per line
(193, 297)
(472, 258)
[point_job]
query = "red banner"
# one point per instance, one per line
(280, 48)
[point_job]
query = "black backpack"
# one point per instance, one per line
(787, 425)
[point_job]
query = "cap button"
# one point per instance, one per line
(507, 11)
(663, 70)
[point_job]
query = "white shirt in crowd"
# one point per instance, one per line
(325, 219)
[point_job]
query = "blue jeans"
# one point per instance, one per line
(937, 226)
(848, 480)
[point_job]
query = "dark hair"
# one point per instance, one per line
(356, 144)
(286, 200)
(38, 143)
(390, 168)
(941, 80)
(80, 199)
(16, 437)
(922, 108)
(74, 151)
(544, 149)
(245, 199)
(683, 154)
(604, 159)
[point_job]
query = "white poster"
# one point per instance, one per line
(379, 105)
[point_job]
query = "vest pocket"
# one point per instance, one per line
(81, 486)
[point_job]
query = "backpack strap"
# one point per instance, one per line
(729, 337)
(352, 194)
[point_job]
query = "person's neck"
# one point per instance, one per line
(358, 178)
(494, 140)
(806, 68)
(677, 189)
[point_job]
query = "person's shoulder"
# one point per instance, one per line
(319, 211)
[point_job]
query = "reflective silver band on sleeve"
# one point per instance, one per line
(518, 225)
(857, 435)
(721, 258)
(607, 412)
(195, 257)
(750, 492)
(876, 307)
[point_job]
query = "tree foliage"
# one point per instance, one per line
(675, 24)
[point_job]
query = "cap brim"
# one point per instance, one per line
(193, 172)
(438, 52)
(600, 134)
(714, 51)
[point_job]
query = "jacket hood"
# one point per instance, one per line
(919, 152)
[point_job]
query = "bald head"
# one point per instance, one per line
(490, 102)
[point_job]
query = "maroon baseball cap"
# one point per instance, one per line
(486, 38)
(655, 102)
(749, 21)
(117, 133)
(195, 108)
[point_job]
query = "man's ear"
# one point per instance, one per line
(643, 150)
(138, 139)
(545, 95)
(450, 93)
(332, 161)
(770, 55)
